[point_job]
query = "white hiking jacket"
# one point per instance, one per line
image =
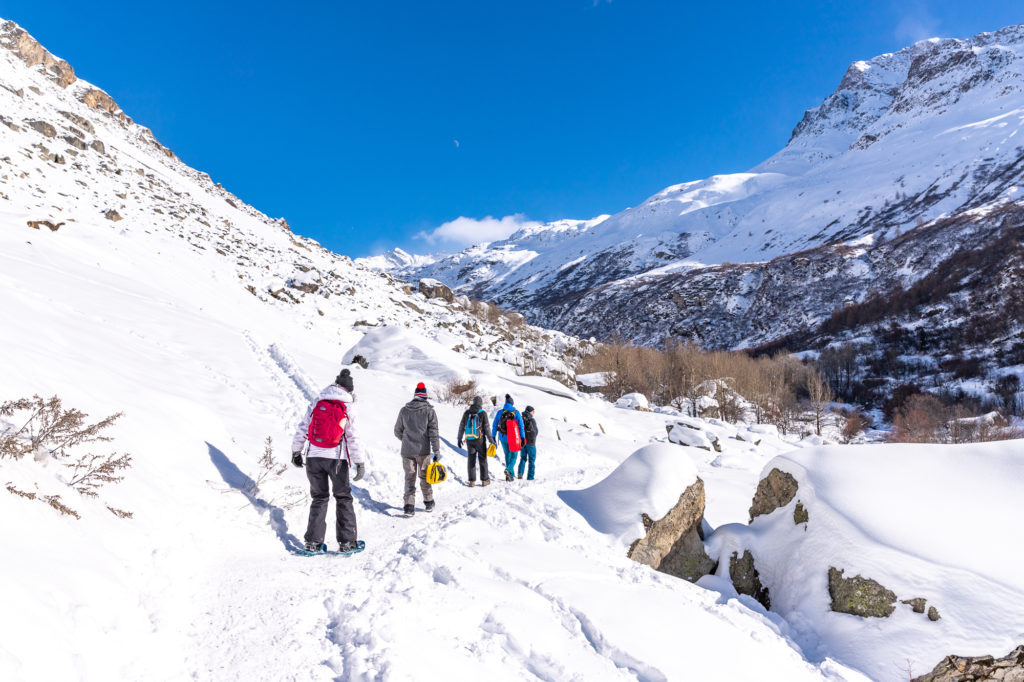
(354, 449)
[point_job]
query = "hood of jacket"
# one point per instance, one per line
(336, 392)
(419, 404)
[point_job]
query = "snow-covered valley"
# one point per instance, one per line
(212, 326)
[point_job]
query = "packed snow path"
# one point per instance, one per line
(502, 582)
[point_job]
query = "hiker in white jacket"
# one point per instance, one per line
(328, 467)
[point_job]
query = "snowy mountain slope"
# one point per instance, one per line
(211, 327)
(907, 138)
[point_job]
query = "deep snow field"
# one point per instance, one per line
(212, 326)
(505, 582)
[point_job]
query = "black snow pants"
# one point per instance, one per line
(322, 474)
(476, 450)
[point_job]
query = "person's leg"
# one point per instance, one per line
(522, 460)
(531, 452)
(481, 455)
(409, 466)
(426, 488)
(346, 524)
(319, 490)
(510, 459)
(471, 459)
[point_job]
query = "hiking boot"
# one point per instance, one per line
(314, 546)
(508, 475)
(486, 481)
(347, 547)
(428, 505)
(409, 510)
(472, 483)
(520, 476)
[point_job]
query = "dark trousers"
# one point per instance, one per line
(476, 450)
(323, 474)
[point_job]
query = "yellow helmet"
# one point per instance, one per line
(436, 473)
(492, 451)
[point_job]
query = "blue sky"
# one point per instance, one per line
(371, 124)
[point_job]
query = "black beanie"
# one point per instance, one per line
(529, 408)
(508, 399)
(345, 380)
(478, 402)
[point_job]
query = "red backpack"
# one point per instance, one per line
(327, 423)
(512, 436)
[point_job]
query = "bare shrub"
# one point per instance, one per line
(49, 426)
(49, 429)
(91, 472)
(924, 418)
(457, 391)
(270, 469)
(854, 424)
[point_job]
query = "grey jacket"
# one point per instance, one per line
(417, 429)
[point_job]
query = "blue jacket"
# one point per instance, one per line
(519, 419)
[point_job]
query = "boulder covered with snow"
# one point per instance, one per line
(432, 288)
(633, 401)
(682, 433)
(654, 503)
(887, 552)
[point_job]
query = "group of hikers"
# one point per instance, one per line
(334, 448)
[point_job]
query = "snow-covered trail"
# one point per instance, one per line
(504, 581)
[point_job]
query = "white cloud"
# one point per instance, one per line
(463, 232)
(917, 24)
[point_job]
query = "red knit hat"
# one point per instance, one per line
(421, 390)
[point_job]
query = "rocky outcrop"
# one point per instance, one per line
(79, 121)
(431, 288)
(1009, 668)
(859, 596)
(97, 99)
(674, 544)
(775, 490)
(15, 39)
(746, 579)
(42, 127)
(112, 215)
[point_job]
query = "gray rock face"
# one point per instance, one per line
(859, 596)
(1009, 668)
(42, 127)
(775, 490)
(434, 289)
(746, 579)
(673, 544)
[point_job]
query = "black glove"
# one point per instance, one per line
(460, 443)
(297, 459)
(437, 456)
(360, 471)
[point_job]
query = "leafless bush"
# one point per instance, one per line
(91, 472)
(682, 375)
(49, 426)
(924, 418)
(457, 391)
(271, 470)
(48, 429)
(855, 422)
